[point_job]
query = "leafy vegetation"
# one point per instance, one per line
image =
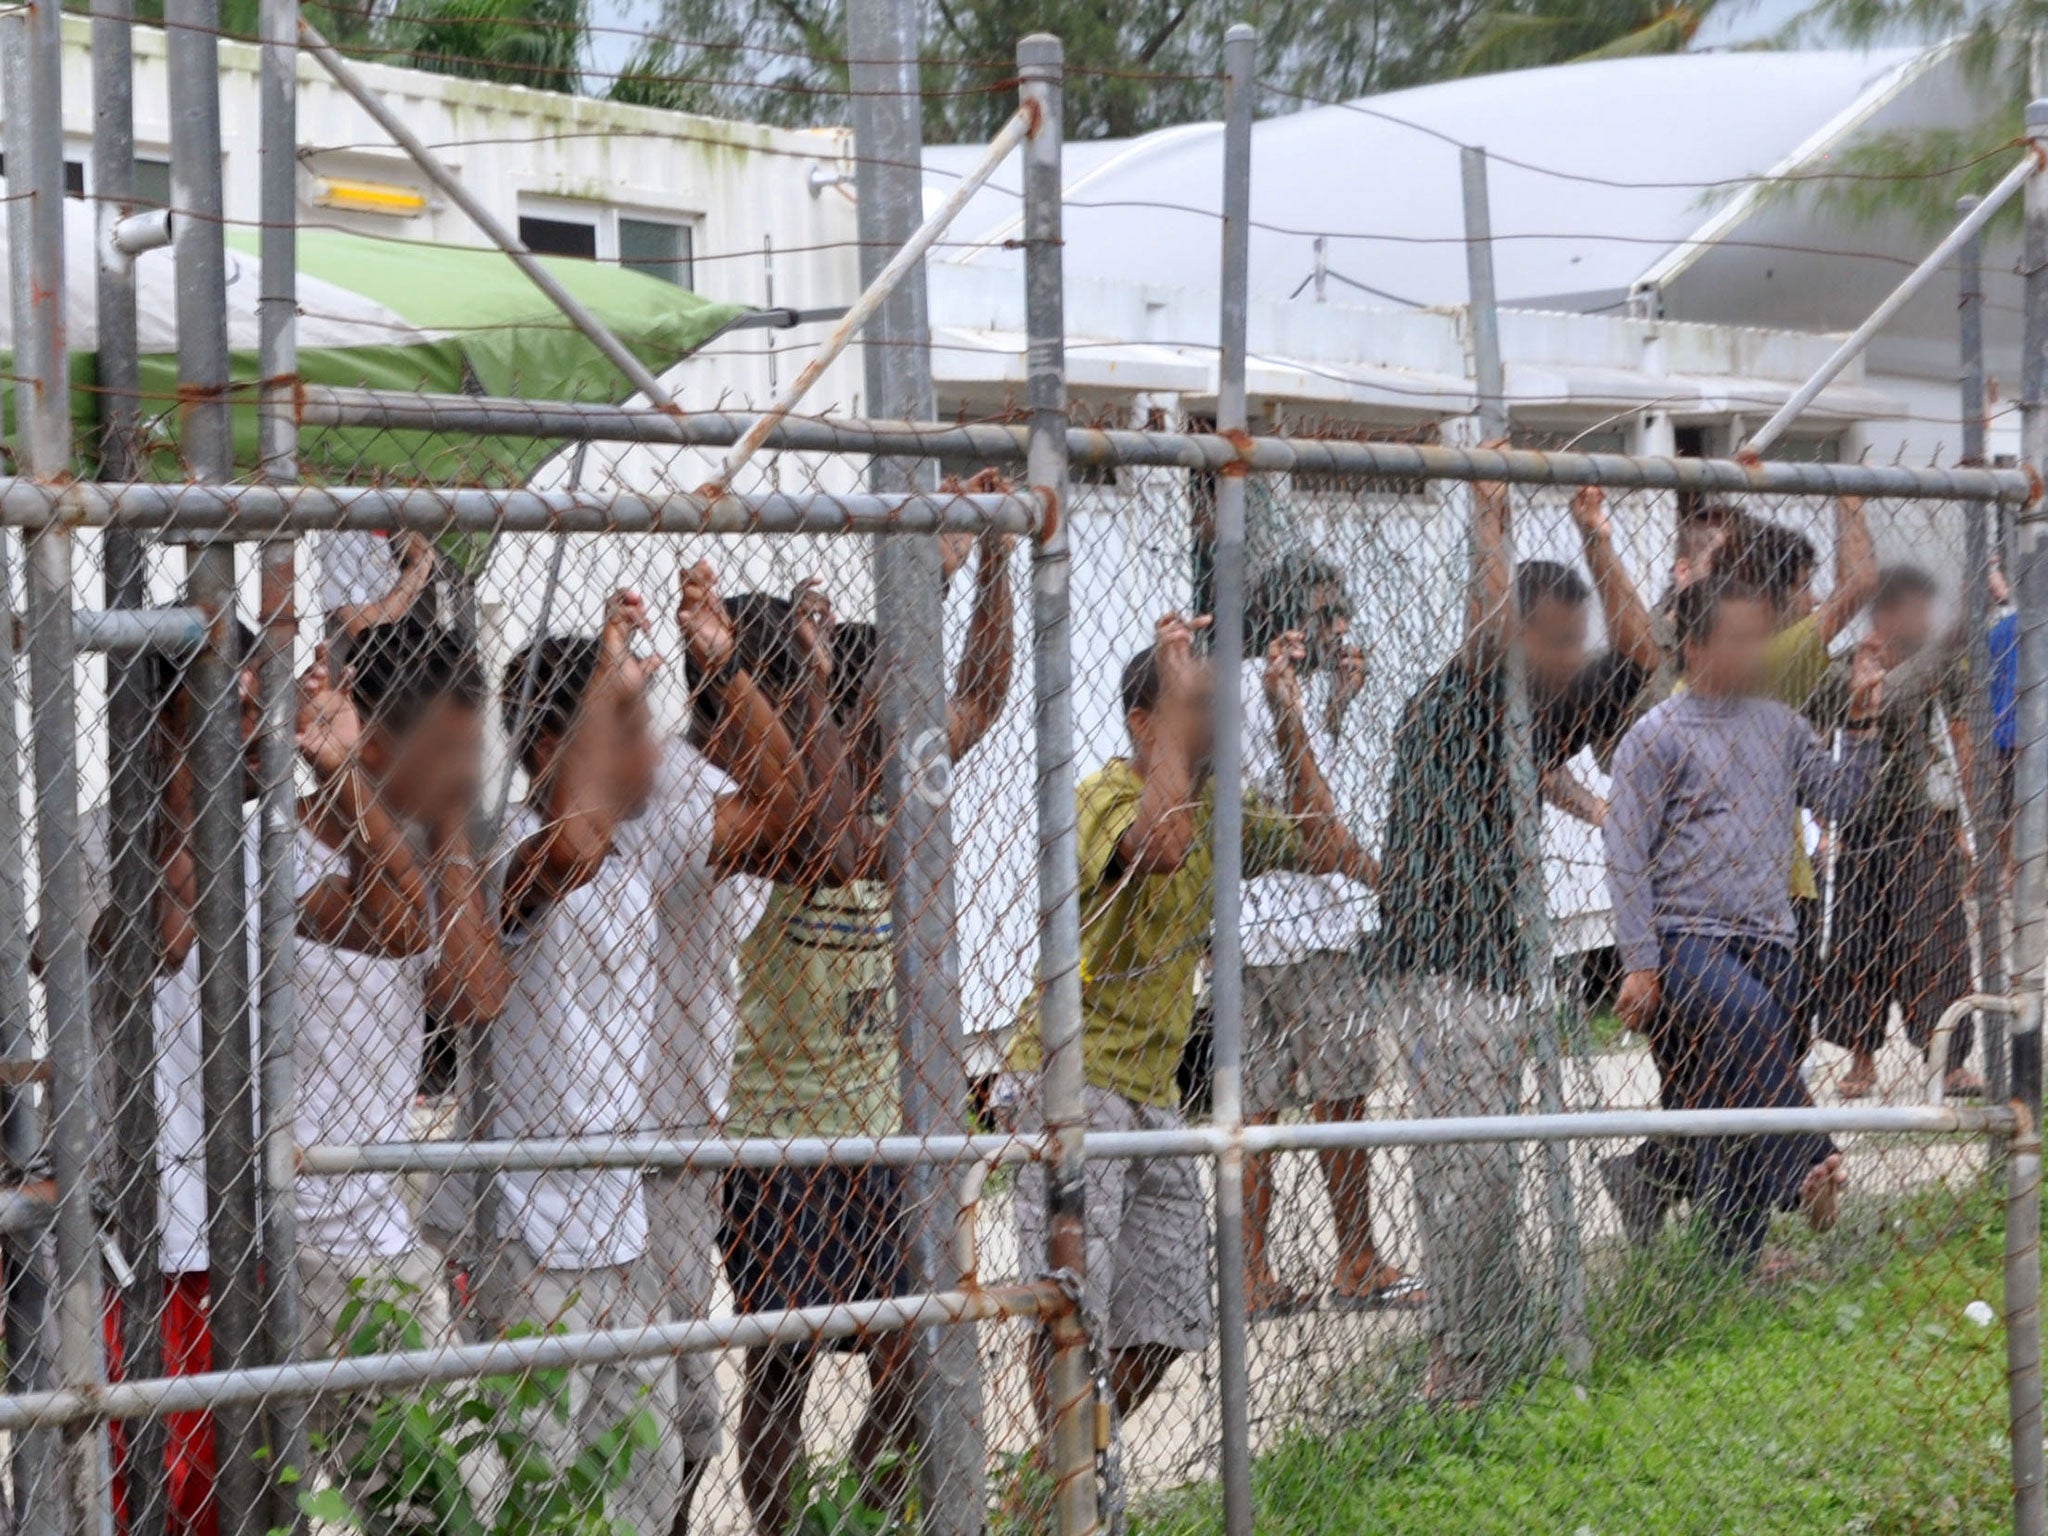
(407, 1456)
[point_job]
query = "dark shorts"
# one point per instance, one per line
(813, 1237)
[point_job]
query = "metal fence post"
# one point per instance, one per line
(34, 140)
(1987, 870)
(1226, 988)
(1041, 64)
(221, 919)
(39, 1504)
(277, 920)
(2023, 1166)
(1531, 893)
(882, 41)
(129, 976)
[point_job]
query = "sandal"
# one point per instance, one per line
(1403, 1293)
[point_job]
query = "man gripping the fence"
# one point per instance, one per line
(1146, 864)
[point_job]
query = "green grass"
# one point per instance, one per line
(1860, 1401)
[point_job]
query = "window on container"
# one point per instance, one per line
(74, 176)
(153, 183)
(657, 248)
(558, 237)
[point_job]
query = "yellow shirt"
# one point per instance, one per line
(817, 1052)
(1143, 936)
(1798, 660)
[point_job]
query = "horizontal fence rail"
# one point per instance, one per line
(262, 511)
(553, 1352)
(1098, 447)
(1194, 1141)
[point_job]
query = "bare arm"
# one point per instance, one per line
(1492, 585)
(1562, 788)
(1327, 846)
(752, 827)
(1627, 617)
(983, 680)
(379, 906)
(1162, 829)
(469, 979)
(1855, 570)
(415, 575)
(581, 814)
(178, 896)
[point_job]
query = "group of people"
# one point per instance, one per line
(681, 934)
(690, 934)
(1723, 713)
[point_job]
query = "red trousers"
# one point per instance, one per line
(188, 1453)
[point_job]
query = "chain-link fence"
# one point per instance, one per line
(567, 974)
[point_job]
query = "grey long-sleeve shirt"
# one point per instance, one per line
(1704, 792)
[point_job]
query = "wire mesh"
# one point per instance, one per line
(591, 1112)
(1403, 1300)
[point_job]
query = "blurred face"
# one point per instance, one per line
(1733, 658)
(432, 770)
(1329, 625)
(1904, 625)
(1554, 643)
(1189, 722)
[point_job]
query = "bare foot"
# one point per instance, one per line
(1456, 1385)
(1860, 1078)
(1820, 1196)
(1267, 1296)
(1776, 1266)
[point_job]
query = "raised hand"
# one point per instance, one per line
(1491, 490)
(328, 728)
(995, 546)
(811, 610)
(1173, 647)
(1589, 512)
(1866, 681)
(701, 614)
(625, 618)
(1282, 676)
(954, 548)
(412, 548)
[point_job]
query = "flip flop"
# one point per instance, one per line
(1286, 1304)
(1405, 1294)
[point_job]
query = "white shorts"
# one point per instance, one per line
(1309, 1035)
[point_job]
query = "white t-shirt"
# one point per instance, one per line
(571, 1052)
(1289, 916)
(356, 567)
(361, 1031)
(702, 919)
(174, 1011)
